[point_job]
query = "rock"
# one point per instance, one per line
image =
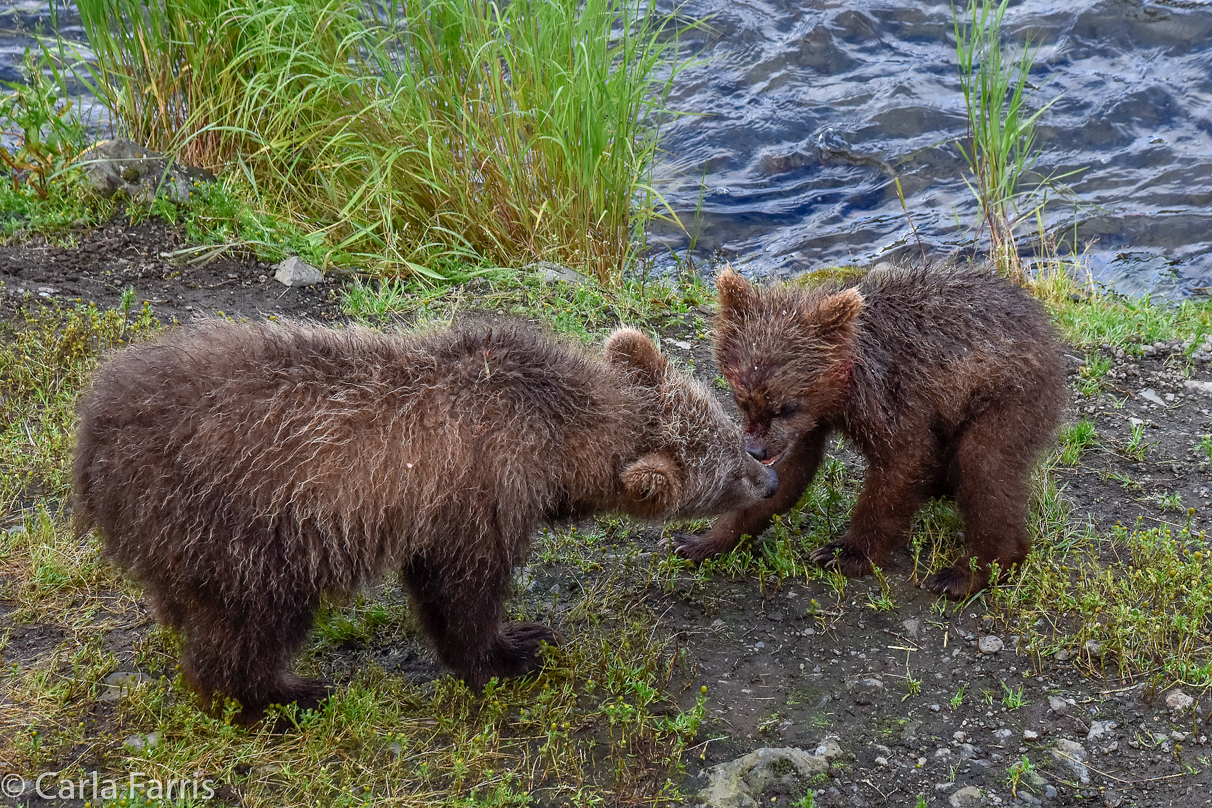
(1099, 729)
(1198, 386)
(1050, 792)
(137, 743)
(829, 748)
(1094, 648)
(1178, 701)
(122, 166)
(990, 644)
(1030, 735)
(1150, 395)
(685, 346)
(1058, 705)
(294, 272)
(121, 682)
(909, 731)
(1072, 755)
(552, 273)
(966, 797)
(739, 783)
(912, 626)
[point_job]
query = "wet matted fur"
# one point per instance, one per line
(949, 380)
(239, 471)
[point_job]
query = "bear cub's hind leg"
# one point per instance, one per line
(244, 650)
(993, 465)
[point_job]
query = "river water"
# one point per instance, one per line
(802, 113)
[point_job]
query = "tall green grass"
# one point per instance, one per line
(1001, 129)
(499, 133)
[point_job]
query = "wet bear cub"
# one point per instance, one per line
(948, 380)
(241, 471)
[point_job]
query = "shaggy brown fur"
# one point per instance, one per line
(948, 380)
(239, 471)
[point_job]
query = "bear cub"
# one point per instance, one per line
(949, 381)
(240, 471)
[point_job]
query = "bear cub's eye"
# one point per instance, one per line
(787, 409)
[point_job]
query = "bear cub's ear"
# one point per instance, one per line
(834, 317)
(737, 296)
(628, 348)
(656, 480)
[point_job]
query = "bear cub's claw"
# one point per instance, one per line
(851, 562)
(955, 582)
(304, 694)
(693, 548)
(517, 651)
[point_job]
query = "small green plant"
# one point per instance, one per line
(921, 801)
(1136, 446)
(806, 801)
(958, 698)
(1092, 373)
(1016, 771)
(1075, 439)
(1205, 446)
(1013, 698)
(40, 116)
(1172, 501)
(913, 686)
(881, 601)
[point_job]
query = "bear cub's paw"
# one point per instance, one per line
(304, 694)
(851, 562)
(695, 548)
(517, 649)
(956, 582)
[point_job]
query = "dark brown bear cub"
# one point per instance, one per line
(948, 380)
(240, 471)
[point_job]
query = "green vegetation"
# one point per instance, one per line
(404, 134)
(1001, 131)
(1075, 439)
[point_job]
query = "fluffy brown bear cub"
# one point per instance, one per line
(948, 380)
(239, 471)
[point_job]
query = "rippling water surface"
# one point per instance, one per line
(807, 110)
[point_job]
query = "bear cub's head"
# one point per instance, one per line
(787, 353)
(698, 465)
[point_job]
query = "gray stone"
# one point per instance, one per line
(1072, 755)
(557, 273)
(1094, 648)
(912, 626)
(121, 682)
(1100, 729)
(294, 272)
(1198, 386)
(1178, 701)
(122, 166)
(138, 742)
(966, 797)
(1058, 705)
(1050, 792)
(829, 748)
(1150, 395)
(739, 783)
(990, 644)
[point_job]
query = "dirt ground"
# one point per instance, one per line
(790, 665)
